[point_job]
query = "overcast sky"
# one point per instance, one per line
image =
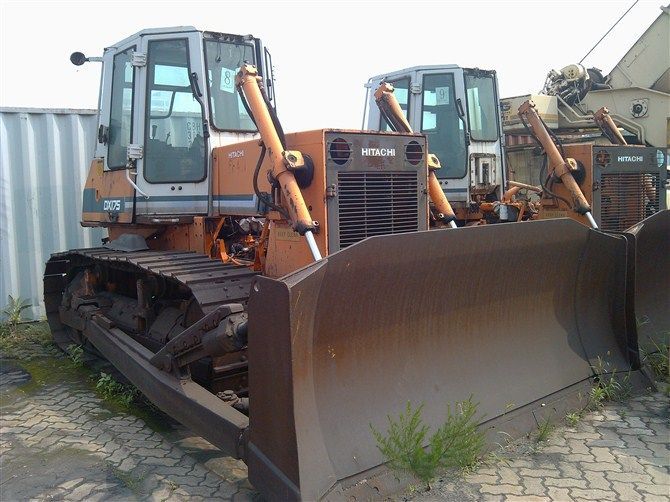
(323, 52)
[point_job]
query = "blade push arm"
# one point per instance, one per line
(390, 109)
(283, 161)
(557, 165)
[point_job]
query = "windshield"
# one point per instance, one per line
(223, 61)
(442, 125)
(482, 107)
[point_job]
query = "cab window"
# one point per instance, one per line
(121, 116)
(223, 61)
(442, 125)
(174, 141)
(482, 107)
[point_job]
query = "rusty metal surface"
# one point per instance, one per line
(211, 287)
(652, 280)
(428, 317)
(212, 282)
(183, 399)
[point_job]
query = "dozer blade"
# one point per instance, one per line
(510, 314)
(650, 256)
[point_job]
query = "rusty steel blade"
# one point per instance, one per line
(651, 263)
(507, 314)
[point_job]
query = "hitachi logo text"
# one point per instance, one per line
(630, 158)
(378, 152)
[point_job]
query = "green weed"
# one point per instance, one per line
(114, 391)
(608, 386)
(573, 418)
(544, 430)
(132, 480)
(76, 355)
(14, 310)
(457, 443)
(657, 360)
(24, 339)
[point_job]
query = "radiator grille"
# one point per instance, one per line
(628, 198)
(376, 203)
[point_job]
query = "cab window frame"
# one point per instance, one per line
(148, 116)
(132, 49)
(494, 91)
(453, 98)
(211, 112)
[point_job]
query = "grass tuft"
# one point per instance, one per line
(13, 311)
(456, 443)
(114, 391)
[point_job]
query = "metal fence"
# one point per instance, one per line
(44, 160)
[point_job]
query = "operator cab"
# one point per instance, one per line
(168, 97)
(457, 109)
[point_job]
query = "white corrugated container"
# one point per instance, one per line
(44, 159)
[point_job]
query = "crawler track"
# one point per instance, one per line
(195, 282)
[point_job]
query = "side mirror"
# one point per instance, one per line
(78, 58)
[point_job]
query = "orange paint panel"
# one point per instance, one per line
(110, 186)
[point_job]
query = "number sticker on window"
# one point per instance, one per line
(227, 80)
(442, 95)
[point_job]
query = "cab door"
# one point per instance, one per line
(170, 142)
(440, 115)
(107, 197)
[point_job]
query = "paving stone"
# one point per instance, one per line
(68, 485)
(534, 486)
(653, 489)
(518, 463)
(526, 498)
(624, 431)
(540, 473)
(502, 489)
(82, 491)
(203, 491)
(607, 443)
(98, 496)
(626, 492)
(508, 476)
(597, 480)
(659, 474)
(658, 439)
(482, 478)
(583, 435)
(592, 494)
(163, 493)
(628, 477)
(565, 482)
(578, 446)
(167, 461)
(556, 449)
(660, 450)
(559, 494)
(570, 470)
(601, 466)
(602, 454)
(127, 464)
(579, 457)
